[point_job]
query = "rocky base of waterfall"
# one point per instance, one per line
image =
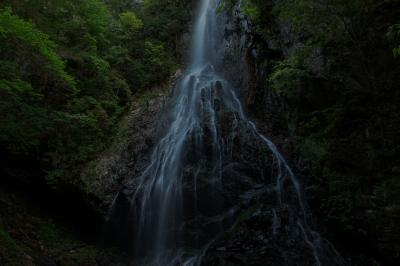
(261, 236)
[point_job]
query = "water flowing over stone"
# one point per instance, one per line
(208, 167)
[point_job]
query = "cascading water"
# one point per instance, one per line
(198, 175)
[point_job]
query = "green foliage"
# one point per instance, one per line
(251, 9)
(287, 77)
(68, 70)
(224, 5)
(20, 129)
(168, 25)
(83, 24)
(130, 21)
(154, 68)
(259, 11)
(394, 32)
(396, 51)
(13, 27)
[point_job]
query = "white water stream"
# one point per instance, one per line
(159, 202)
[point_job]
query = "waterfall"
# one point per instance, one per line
(193, 187)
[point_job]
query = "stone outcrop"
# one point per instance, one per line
(129, 153)
(243, 53)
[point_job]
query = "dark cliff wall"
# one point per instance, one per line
(246, 65)
(331, 88)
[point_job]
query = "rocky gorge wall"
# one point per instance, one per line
(246, 62)
(247, 186)
(343, 172)
(246, 174)
(263, 234)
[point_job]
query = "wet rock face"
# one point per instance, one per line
(226, 169)
(237, 43)
(235, 181)
(244, 65)
(219, 173)
(270, 227)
